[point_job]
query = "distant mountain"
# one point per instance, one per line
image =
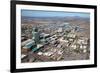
(53, 19)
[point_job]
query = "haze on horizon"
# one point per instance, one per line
(41, 13)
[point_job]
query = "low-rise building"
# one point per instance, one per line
(25, 50)
(25, 42)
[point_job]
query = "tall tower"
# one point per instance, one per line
(35, 35)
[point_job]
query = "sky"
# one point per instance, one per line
(40, 13)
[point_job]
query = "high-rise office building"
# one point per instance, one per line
(35, 35)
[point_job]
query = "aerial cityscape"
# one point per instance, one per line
(48, 36)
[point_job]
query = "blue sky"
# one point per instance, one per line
(38, 13)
